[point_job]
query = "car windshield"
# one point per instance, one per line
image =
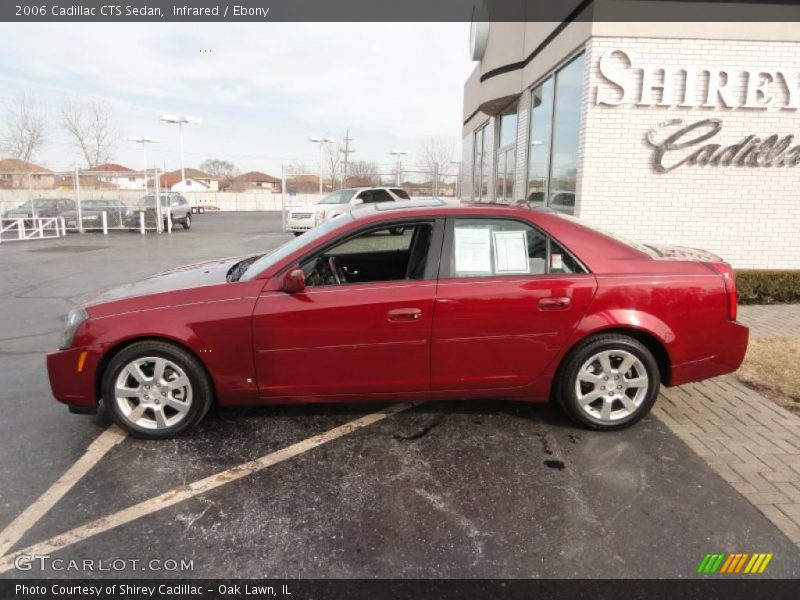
(39, 203)
(340, 197)
(150, 201)
(281, 252)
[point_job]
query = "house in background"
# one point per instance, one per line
(117, 175)
(14, 174)
(196, 181)
(255, 181)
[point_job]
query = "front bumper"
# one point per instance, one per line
(300, 224)
(69, 385)
(731, 340)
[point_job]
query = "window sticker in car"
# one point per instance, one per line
(556, 261)
(510, 252)
(473, 250)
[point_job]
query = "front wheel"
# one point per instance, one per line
(156, 390)
(608, 382)
(187, 222)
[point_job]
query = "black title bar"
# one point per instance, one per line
(397, 10)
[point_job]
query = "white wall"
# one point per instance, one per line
(748, 215)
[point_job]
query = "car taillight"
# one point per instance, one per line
(729, 279)
(733, 301)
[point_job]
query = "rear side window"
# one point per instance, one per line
(504, 247)
(400, 193)
(381, 196)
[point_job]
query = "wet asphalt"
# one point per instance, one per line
(453, 489)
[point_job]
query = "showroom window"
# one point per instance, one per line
(554, 132)
(482, 150)
(506, 154)
(497, 247)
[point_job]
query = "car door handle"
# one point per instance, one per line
(555, 303)
(404, 314)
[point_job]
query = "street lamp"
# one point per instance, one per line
(398, 154)
(180, 120)
(143, 140)
(458, 178)
(321, 141)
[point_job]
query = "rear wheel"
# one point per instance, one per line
(156, 390)
(297, 233)
(397, 230)
(608, 382)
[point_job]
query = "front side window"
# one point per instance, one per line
(500, 247)
(400, 193)
(393, 253)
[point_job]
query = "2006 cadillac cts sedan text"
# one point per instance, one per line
(471, 301)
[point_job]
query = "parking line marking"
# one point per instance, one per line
(201, 486)
(31, 515)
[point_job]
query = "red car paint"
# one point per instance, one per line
(499, 336)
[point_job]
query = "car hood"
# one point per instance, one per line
(312, 208)
(17, 212)
(190, 276)
(666, 252)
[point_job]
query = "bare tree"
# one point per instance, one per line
(297, 168)
(363, 172)
(92, 129)
(223, 169)
(436, 160)
(24, 129)
(333, 161)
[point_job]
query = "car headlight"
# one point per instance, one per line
(75, 317)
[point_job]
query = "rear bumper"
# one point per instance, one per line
(76, 389)
(731, 343)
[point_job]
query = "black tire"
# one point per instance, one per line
(201, 389)
(567, 378)
(201, 210)
(297, 233)
(397, 230)
(187, 222)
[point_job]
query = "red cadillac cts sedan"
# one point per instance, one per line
(411, 301)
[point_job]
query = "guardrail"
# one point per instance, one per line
(21, 229)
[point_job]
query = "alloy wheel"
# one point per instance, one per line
(153, 393)
(611, 385)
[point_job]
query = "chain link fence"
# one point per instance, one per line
(89, 200)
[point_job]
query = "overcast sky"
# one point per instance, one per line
(260, 91)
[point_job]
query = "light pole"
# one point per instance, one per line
(143, 140)
(398, 154)
(180, 120)
(458, 178)
(321, 141)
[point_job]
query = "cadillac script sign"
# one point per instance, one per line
(680, 142)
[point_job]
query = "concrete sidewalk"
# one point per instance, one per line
(751, 442)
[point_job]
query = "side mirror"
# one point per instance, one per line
(358, 201)
(294, 282)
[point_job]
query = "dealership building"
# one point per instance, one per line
(669, 133)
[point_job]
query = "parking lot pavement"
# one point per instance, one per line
(456, 489)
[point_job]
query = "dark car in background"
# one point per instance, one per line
(171, 204)
(92, 214)
(40, 208)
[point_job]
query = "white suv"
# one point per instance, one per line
(301, 219)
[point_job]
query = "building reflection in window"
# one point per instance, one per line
(554, 136)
